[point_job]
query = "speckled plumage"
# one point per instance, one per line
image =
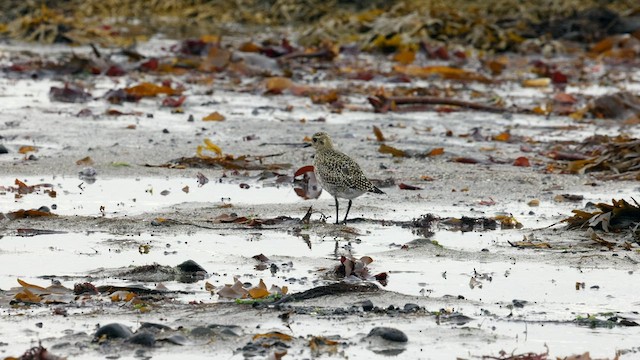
(337, 173)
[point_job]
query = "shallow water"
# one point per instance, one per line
(124, 196)
(549, 290)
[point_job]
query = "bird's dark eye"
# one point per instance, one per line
(315, 140)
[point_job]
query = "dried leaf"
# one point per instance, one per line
(235, 291)
(259, 291)
(504, 136)
(173, 101)
(592, 234)
(273, 335)
(324, 97)
(436, 152)
(378, 134)
(404, 186)
(366, 260)
(303, 170)
(27, 296)
(522, 161)
(539, 82)
(26, 285)
(529, 244)
(146, 89)
(23, 214)
(276, 85)
(209, 146)
(405, 57)
(445, 72)
(565, 98)
(27, 148)
(214, 116)
(386, 149)
(86, 161)
(466, 160)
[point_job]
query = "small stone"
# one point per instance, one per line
(113, 331)
(367, 305)
(625, 322)
(190, 266)
(3, 149)
(388, 333)
(410, 307)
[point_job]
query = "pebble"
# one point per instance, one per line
(191, 266)
(367, 305)
(388, 333)
(410, 307)
(113, 331)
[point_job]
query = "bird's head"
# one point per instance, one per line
(321, 140)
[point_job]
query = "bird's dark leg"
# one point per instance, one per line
(347, 214)
(336, 198)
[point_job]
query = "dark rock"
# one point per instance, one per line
(191, 266)
(113, 331)
(143, 338)
(259, 305)
(274, 268)
(3, 149)
(409, 307)
(340, 311)
(367, 305)
(455, 318)
(625, 322)
(388, 333)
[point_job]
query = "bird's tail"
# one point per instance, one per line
(376, 190)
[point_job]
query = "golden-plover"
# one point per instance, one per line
(338, 174)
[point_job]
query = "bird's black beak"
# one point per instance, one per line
(306, 145)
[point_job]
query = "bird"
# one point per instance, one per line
(339, 174)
